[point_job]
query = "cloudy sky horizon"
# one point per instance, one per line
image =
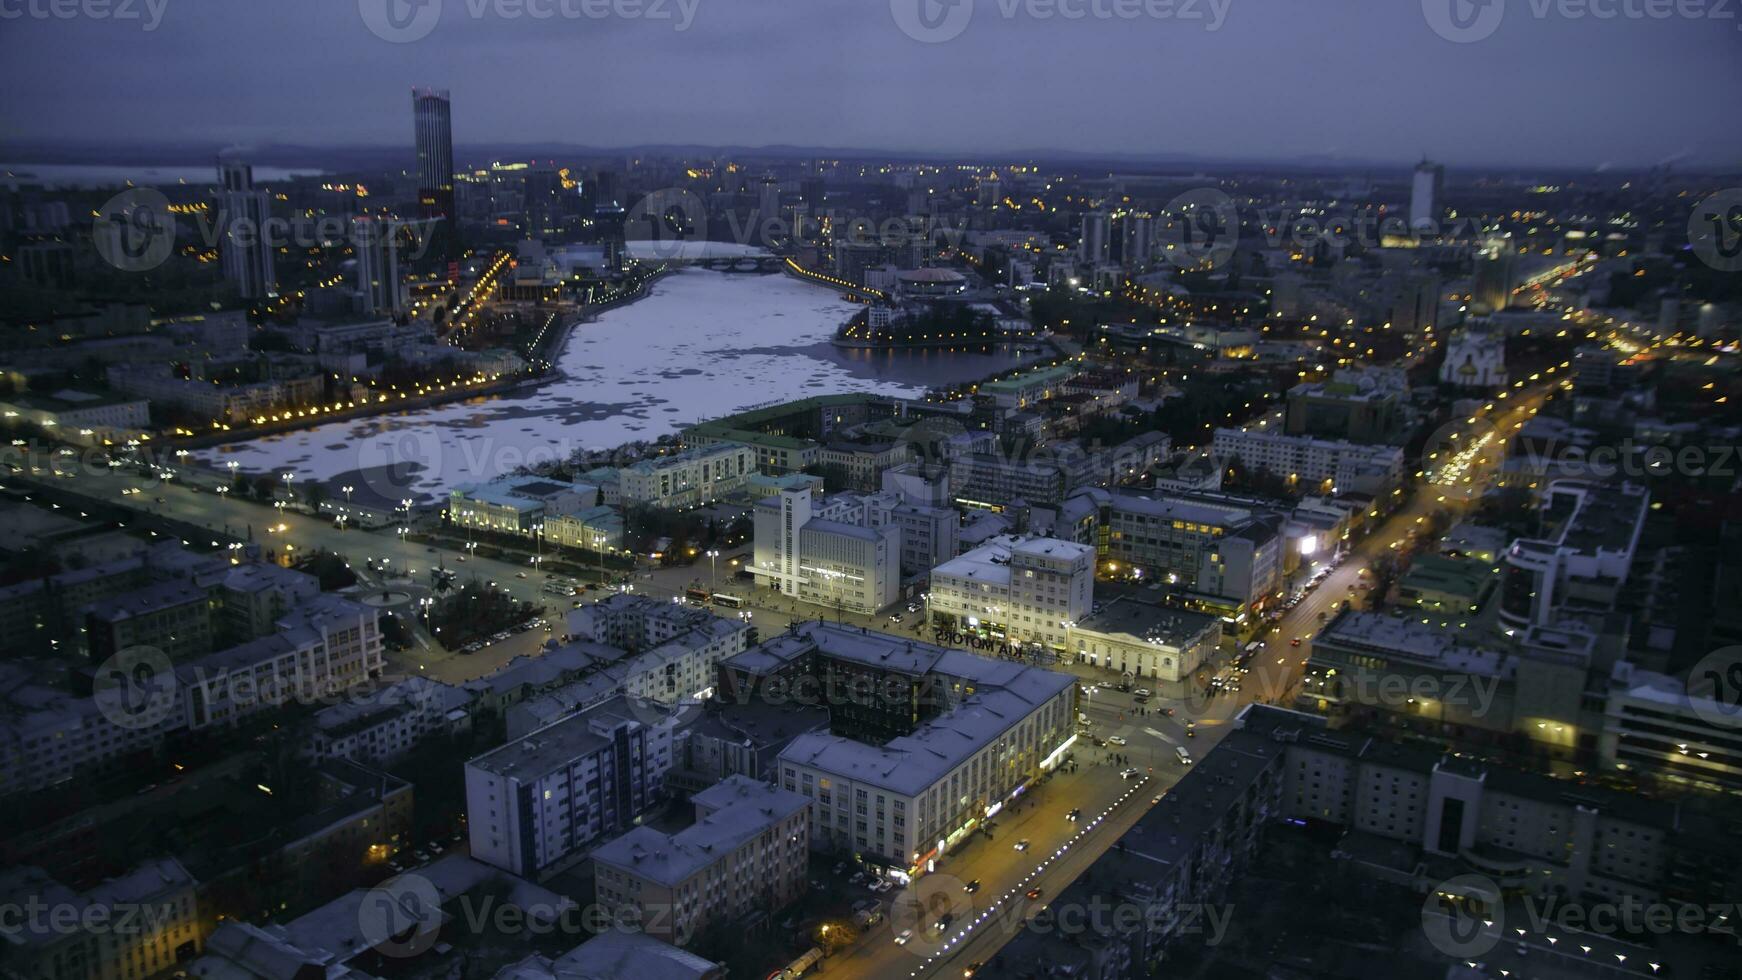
(1524, 82)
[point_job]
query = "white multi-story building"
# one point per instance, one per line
(326, 646)
(1028, 589)
(535, 805)
(690, 478)
(820, 551)
(379, 728)
(518, 504)
(1325, 465)
(904, 804)
(747, 850)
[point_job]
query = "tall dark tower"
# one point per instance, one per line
(435, 167)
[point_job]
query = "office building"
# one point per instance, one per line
(435, 152)
(1353, 405)
(1495, 278)
(988, 729)
(380, 281)
(248, 256)
(1577, 567)
(748, 850)
(1426, 198)
(821, 552)
(1216, 553)
(535, 805)
(688, 479)
(518, 504)
(1025, 590)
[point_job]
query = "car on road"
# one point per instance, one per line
(1034, 893)
(972, 968)
(1074, 815)
(1128, 773)
(1116, 740)
(1142, 692)
(972, 886)
(519, 574)
(903, 936)
(1021, 845)
(1295, 642)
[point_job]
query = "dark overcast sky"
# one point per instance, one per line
(1278, 79)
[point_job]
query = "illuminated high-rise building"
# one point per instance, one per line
(246, 252)
(435, 166)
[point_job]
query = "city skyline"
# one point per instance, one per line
(1141, 86)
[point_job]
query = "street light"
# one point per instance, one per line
(713, 570)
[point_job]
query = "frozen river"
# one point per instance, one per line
(704, 344)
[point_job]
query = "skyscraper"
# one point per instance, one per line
(379, 287)
(544, 210)
(246, 251)
(435, 140)
(435, 168)
(1425, 205)
(1093, 249)
(1137, 240)
(1493, 280)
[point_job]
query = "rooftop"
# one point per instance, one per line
(729, 813)
(558, 744)
(1150, 623)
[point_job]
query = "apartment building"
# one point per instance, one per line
(535, 805)
(175, 617)
(1323, 465)
(321, 650)
(690, 478)
(141, 924)
(1027, 590)
(382, 726)
(747, 850)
